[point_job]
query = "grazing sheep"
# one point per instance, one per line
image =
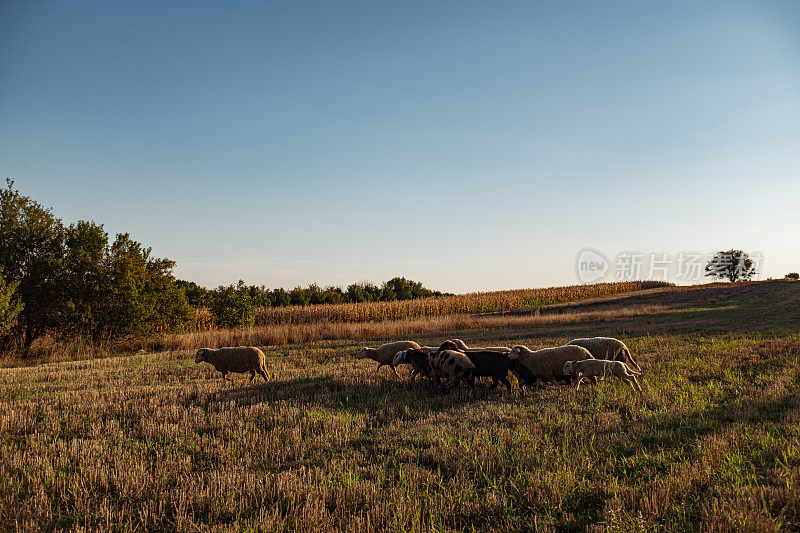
(547, 364)
(607, 348)
(462, 346)
(239, 359)
(414, 370)
(453, 366)
(417, 358)
(488, 363)
(598, 367)
(384, 354)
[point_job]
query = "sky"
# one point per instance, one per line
(467, 145)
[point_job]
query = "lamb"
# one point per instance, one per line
(607, 348)
(238, 359)
(384, 354)
(488, 363)
(462, 346)
(598, 367)
(547, 364)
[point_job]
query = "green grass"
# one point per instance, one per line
(155, 442)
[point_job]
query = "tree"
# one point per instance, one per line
(140, 295)
(299, 296)
(232, 306)
(793, 275)
(733, 265)
(279, 297)
(10, 307)
(85, 281)
(196, 295)
(31, 252)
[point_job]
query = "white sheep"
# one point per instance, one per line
(464, 348)
(547, 363)
(597, 367)
(238, 359)
(384, 354)
(607, 348)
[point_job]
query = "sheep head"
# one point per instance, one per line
(200, 356)
(515, 352)
(461, 344)
(569, 366)
(400, 358)
(449, 345)
(363, 353)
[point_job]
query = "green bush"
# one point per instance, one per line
(10, 307)
(232, 306)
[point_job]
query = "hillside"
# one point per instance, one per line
(155, 442)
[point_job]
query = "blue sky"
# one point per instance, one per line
(467, 145)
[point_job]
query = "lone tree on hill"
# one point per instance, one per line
(733, 265)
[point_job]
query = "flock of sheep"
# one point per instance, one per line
(456, 363)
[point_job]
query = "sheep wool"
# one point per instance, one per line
(607, 348)
(239, 359)
(417, 358)
(492, 364)
(453, 366)
(547, 364)
(462, 346)
(384, 354)
(599, 367)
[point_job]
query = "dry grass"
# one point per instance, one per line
(155, 442)
(460, 304)
(320, 331)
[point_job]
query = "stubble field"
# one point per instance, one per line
(155, 442)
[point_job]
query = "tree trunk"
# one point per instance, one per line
(29, 336)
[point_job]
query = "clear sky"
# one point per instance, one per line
(467, 145)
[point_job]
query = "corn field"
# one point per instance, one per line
(472, 303)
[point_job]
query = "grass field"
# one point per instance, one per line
(154, 442)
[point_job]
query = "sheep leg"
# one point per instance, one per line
(578, 386)
(635, 383)
(504, 381)
(413, 374)
(263, 372)
(252, 375)
(395, 371)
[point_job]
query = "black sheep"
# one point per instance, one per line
(488, 363)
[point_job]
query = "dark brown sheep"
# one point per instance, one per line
(488, 363)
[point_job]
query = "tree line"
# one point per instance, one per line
(73, 280)
(234, 305)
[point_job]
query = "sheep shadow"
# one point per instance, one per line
(387, 398)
